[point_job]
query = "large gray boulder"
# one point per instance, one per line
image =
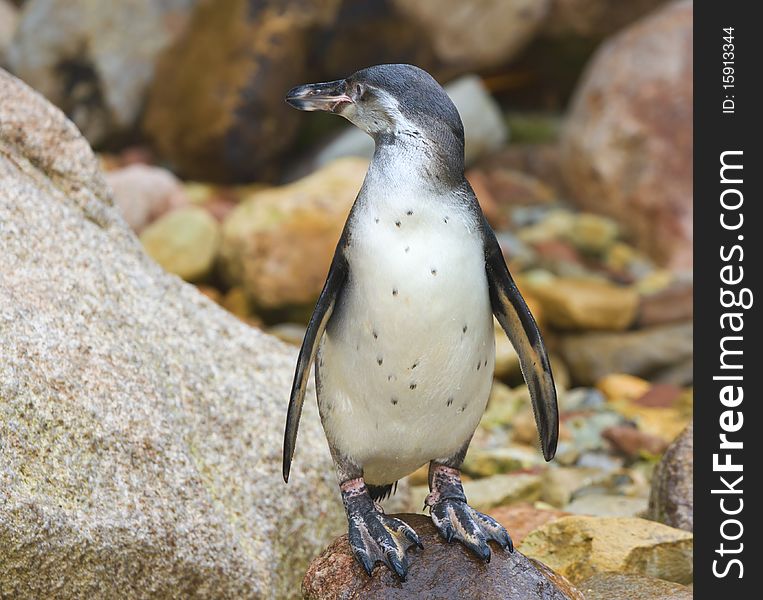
(140, 424)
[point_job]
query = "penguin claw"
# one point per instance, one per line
(455, 519)
(375, 537)
(400, 567)
(402, 528)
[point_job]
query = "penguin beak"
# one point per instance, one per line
(328, 97)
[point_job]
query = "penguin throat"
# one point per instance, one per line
(407, 157)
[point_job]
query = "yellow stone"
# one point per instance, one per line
(278, 243)
(655, 281)
(579, 547)
(620, 386)
(486, 462)
(184, 242)
(504, 404)
(236, 302)
(664, 422)
(574, 303)
(620, 256)
(198, 193)
(506, 358)
(593, 233)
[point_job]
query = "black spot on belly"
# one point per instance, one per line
(397, 223)
(485, 363)
(414, 365)
(412, 386)
(409, 213)
(464, 328)
(434, 271)
(376, 220)
(462, 409)
(379, 360)
(394, 401)
(449, 402)
(445, 219)
(375, 334)
(394, 291)
(407, 248)
(479, 364)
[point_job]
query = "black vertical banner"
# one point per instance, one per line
(728, 170)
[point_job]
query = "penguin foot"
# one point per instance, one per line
(374, 537)
(455, 519)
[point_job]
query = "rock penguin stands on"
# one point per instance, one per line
(402, 334)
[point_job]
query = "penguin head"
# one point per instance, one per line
(392, 103)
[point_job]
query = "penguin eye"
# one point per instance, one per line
(358, 91)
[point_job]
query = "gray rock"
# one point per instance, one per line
(593, 18)
(607, 505)
(95, 59)
(585, 429)
(681, 374)
(599, 460)
(583, 398)
(561, 483)
(476, 35)
(645, 352)
(518, 251)
(140, 424)
(291, 333)
(488, 492)
(502, 489)
(484, 127)
(143, 193)
(8, 20)
(672, 497)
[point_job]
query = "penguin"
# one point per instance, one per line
(402, 333)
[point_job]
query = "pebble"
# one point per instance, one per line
(184, 242)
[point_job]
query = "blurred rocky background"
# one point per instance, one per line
(578, 119)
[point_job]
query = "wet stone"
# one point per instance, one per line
(440, 570)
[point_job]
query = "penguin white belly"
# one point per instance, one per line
(407, 360)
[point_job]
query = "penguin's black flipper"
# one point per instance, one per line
(315, 328)
(514, 316)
